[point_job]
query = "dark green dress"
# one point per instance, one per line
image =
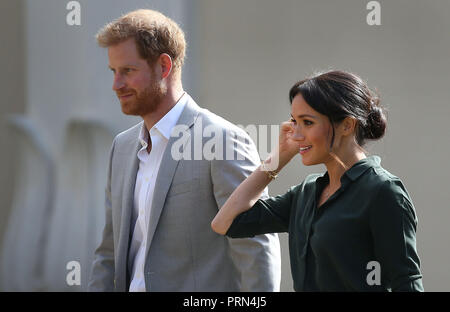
(333, 247)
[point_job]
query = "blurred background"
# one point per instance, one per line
(58, 114)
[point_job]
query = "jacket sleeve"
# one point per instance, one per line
(102, 272)
(258, 259)
(393, 224)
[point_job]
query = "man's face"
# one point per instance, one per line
(136, 83)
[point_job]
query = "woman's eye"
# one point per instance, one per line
(293, 120)
(307, 122)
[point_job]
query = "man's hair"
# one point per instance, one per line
(153, 32)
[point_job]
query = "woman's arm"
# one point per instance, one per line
(393, 223)
(249, 191)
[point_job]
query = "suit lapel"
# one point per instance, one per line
(129, 182)
(167, 170)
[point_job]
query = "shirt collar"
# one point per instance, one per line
(355, 171)
(361, 166)
(166, 123)
(143, 135)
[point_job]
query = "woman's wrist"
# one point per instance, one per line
(275, 162)
(271, 174)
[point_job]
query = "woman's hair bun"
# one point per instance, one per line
(376, 121)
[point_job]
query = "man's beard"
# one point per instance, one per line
(145, 102)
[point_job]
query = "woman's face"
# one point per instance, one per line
(313, 132)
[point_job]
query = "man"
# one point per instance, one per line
(157, 235)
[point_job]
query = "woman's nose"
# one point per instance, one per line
(297, 133)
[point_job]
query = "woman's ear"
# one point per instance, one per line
(348, 125)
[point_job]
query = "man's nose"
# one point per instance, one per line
(118, 83)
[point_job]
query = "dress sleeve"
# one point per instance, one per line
(269, 215)
(393, 224)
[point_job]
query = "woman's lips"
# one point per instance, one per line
(304, 149)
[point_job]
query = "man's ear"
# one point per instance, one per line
(166, 65)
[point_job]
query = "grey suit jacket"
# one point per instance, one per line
(183, 253)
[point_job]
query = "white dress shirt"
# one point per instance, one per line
(149, 164)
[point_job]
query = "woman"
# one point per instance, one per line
(350, 229)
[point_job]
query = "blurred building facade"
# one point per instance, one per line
(59, 114)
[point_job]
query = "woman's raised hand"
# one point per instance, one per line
(287, 147)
